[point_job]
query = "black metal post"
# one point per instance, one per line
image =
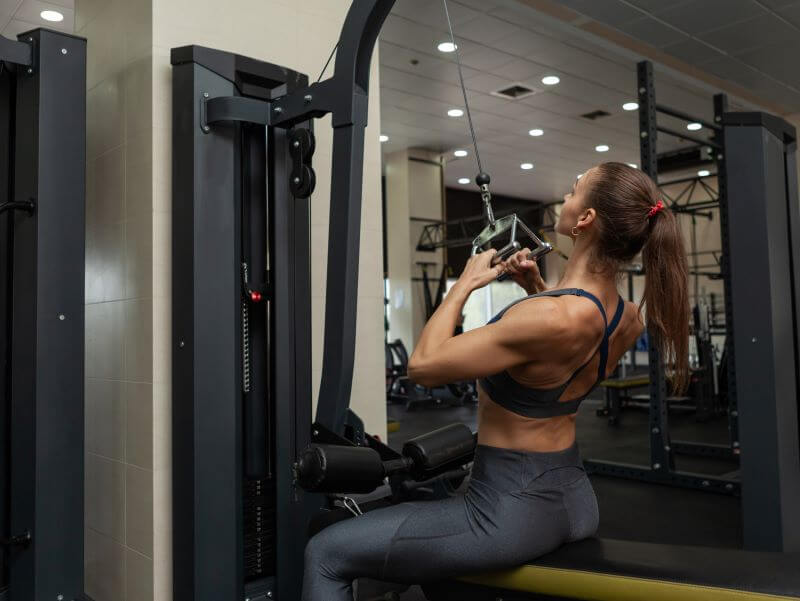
(46, 417)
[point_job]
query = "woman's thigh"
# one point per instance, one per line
(415, 542)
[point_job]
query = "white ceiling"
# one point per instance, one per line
(18, 16)
(505, 42)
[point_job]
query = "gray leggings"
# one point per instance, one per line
(518, 506)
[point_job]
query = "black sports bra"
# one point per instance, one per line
(543, 402)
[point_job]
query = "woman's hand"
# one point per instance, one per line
(525, 272)
(479, 271)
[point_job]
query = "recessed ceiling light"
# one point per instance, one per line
(536, 132)
(694, 126)
(460, 153)
(463, 180)
(630, 106)
(704, 173)
(447, 47)
(455, 113)
(384, 138)
(51, 15)
(550, 80)
(526, 166)
(602, 148)
(634, 165)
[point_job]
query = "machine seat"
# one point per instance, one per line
(618, 570)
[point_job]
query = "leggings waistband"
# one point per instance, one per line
(510, 469)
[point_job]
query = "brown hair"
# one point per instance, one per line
(624, 198)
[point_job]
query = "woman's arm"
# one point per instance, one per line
(440, 358)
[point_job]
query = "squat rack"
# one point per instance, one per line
(662, 449)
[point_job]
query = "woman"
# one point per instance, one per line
(536, 361)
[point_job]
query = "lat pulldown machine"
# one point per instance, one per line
(42, 190)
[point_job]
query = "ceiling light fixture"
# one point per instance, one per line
(460, 153)
(51, 15)
(703, 173)
(694, 126)
(536, 132)
(526, 166)
(463, 180)
(447, 47)
(383, 138)
(455, 113)
(550, 80)
(630, 106)
(602, 148)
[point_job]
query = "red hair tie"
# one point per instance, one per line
(655, 209)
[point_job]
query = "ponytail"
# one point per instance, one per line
(666, 296)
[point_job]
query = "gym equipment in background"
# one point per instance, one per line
(42, 197)
(242, 175)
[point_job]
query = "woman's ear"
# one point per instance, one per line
(587, 217)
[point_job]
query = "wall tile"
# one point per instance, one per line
(105, 418)
(104, 340)
(105, 188)
(104, 274)
(105, 117)
(139, 257)
(139, 510)
(138, 18)
(106, 50)
(139, 424)
(105, 496)
(138, 320)
(105, 567)
(138, 77)
(139, 577)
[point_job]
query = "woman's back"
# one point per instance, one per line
(574, 351)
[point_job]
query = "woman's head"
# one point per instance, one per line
(612, 211)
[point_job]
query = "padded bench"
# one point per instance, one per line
(616, 570)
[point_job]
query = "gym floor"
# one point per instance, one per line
(630, 510)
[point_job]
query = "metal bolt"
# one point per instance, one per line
(667, 448)
(205, 95)
(30, 70)
(316, 433)
(643, 134)
(278, 110)
(706, 483)
(60, 597)
(206, 128)
(62, 317)
(719, 157)
(729, 487)
(735, 445)
(63, 51)
(30, 39)
(296, 180)
(269, 594)
(308, 98)
(656, 466)
(656, 430)
(642, 90)
(181, 344)
(754, 339)
(717, 118)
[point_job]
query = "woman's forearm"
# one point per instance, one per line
(442, 324)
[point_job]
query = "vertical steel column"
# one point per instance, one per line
(763, 206)
(48, 321)
(720, 108)
(661, 457)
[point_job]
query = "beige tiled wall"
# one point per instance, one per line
(119, 340)
(128, 279)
